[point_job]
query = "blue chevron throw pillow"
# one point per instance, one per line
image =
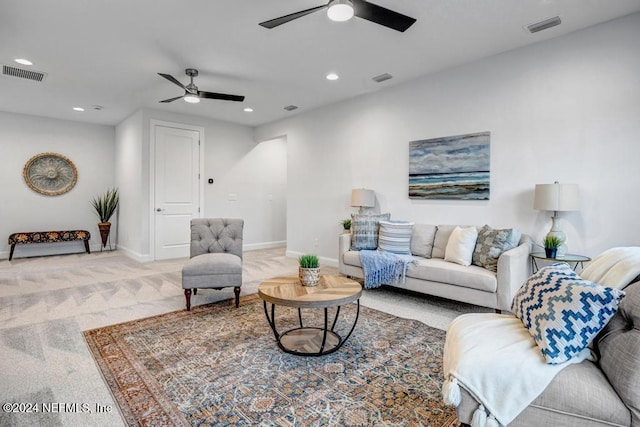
(562, 311)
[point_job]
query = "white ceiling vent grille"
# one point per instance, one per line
(543, 25)
(23, 74)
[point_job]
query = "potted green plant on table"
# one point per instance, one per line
(309, 270)
(551, 245)
(346, 224)
(105, 206)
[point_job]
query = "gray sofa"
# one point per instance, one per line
(590, 394)
(432, 275)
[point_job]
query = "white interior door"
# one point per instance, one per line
(177, 171)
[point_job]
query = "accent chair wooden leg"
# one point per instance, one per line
(498, 311)
(13, 246)
(236, 290)
(86, 246)
(187, 295)
(195, 291)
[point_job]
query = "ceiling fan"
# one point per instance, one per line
(343, 10)
(191, 92)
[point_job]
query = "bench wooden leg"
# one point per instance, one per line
(13, 246)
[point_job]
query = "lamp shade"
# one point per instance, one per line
(361, 197)
(556, 197)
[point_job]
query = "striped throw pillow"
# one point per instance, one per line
(395, 237)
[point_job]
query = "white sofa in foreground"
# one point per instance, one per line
(432, 275)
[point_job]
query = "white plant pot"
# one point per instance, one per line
(309, 276)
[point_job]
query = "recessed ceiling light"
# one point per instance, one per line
(23, 61)
(248, 110)
(332, 76)
(78, 109)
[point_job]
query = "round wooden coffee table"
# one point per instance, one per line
(332, 291)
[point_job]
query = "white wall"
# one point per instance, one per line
(567, 109)
(238, 165)
(90, 148)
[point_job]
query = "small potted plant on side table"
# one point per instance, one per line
(346, 225)
(551, 245)
(309, 271)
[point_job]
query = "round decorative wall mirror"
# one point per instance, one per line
(50, 174)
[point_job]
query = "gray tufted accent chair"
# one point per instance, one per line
(216, 256)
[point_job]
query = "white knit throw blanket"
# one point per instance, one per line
(615, 267)
(494, 358)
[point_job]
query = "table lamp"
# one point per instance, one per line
(557, 198)
(363, 198)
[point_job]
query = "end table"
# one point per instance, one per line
(568, 258)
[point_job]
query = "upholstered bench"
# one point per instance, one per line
(48, 237)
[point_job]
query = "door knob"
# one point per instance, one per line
(159, 210)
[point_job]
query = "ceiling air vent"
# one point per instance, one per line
(543, 25)
(382, 77)
(23, 74)
(290, 107)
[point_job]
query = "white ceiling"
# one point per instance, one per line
(108, 52)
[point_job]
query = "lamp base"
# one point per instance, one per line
(557, 232)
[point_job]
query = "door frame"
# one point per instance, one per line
(152, 172)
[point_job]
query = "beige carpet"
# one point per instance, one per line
(46, 303)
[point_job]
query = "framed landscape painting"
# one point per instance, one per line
(452, 167)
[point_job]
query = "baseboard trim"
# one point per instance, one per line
(264, 245)
(330, 262)
(134, 255)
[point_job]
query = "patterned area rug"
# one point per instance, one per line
(218, 365)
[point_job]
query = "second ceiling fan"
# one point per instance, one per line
(342, 10)
(191, 92)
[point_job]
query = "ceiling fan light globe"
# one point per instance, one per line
(340, 10)
(192, 99)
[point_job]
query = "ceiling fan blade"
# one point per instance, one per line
(284, 19)
(173, 80)
(383, 16)
(172, 99)
(224, 97)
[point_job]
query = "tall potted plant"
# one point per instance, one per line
(105, 206)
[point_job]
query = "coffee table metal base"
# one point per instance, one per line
(307, 340)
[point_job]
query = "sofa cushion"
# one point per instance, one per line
(439, 270)
(460, 246)
(491, 244)
(443, 232)
(395, 237)
(562, 311)
(619, 347)
(579, 395)
(422, 238)
(364, 230)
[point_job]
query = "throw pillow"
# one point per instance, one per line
(395, 237)
(562, 311)
(460, 246)
(443, 232)
(490, 245)
(364, 230)
(422, 240)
